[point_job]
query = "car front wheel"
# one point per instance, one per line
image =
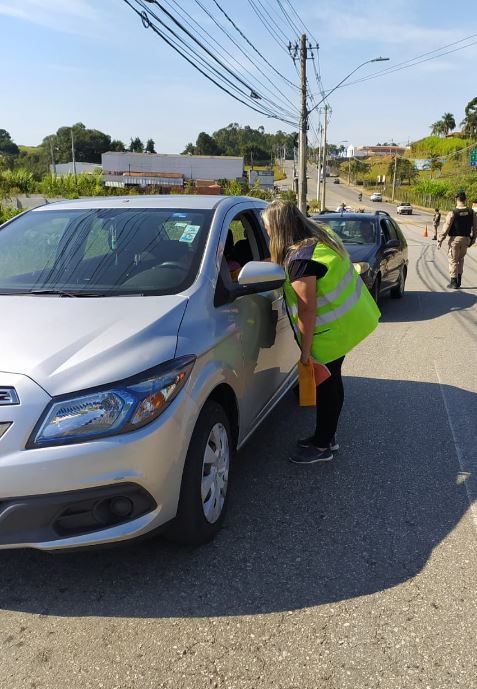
(204, 489)
(398, 291)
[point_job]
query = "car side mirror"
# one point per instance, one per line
(258, 276)
(392, 244)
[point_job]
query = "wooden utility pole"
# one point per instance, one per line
(302, 147)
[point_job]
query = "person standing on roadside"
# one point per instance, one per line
(436, 221)
(461, 228)
(329, 307)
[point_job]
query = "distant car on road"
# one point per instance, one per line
(336, 180)
(376, 196)
(376, 246)
(404, 209)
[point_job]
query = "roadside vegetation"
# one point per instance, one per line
(431, 172)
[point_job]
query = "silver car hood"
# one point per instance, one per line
(69, 344)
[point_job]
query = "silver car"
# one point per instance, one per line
(144, 339)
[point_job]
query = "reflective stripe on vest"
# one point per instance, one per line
(345, 306)
(334, 294)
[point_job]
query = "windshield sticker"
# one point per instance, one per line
(179, 215)
(190, 233)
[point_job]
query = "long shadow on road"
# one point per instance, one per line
(294, 536)
(424, 305)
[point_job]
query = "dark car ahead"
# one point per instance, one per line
(377, 248)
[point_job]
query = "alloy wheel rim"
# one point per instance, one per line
(215, 473)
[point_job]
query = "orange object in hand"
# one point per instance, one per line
(310, 376)
(306, 384)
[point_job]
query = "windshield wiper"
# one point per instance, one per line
(66, 293)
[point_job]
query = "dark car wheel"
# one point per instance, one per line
(203, 497)
(398, 291)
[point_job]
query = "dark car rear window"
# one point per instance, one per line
(352, 230)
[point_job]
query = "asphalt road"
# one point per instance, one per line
(359, 574)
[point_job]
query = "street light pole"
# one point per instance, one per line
(323, 198)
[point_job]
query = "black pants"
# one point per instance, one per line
(329, 402)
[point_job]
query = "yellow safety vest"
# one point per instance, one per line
(346, 313)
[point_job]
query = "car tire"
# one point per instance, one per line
(204, 488)
(398, 291)
(376, 288)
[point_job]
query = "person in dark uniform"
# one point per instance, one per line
(461, 228)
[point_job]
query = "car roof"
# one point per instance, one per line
(182, 201)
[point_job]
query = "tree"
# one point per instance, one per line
(7, 145)
(89, 144)
(189, 149)
(438, 128)
(150, 146)
(469, 123)
(448, 122)
(136, 145)
(117, 145)
(359, 167)
(206, 145)
(405, 170)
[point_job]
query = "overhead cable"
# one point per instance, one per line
(237, 28)
(147, 23)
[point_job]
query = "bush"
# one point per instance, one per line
(6, 213)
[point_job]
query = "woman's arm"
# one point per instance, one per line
(305, 289)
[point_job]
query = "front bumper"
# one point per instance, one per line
(60, 497)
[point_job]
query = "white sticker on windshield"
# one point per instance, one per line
(190, 233)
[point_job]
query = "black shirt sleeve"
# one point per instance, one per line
(302, 268)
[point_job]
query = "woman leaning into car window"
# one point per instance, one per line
(329, 307)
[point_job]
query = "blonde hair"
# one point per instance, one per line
(290, 229)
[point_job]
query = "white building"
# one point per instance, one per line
(69, 168)
(169, 170)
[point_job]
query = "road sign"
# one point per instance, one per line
(473, 157)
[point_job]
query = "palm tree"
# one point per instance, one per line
(438, 128)
(469, 123)
(448, 122)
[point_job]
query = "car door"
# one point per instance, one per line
(390, 257)
(268, 347)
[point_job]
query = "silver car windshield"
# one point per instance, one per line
(103, 252)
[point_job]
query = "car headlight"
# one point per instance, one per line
(118, 408)
(361, 267)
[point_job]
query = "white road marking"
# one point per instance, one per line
(465, 471)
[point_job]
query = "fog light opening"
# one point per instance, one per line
(121, 507)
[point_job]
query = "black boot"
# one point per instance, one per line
(459, 280)
(453, 284)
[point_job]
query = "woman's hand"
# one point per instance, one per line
(305, 359)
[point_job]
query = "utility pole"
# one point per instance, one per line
(323, 198)
(303, 128)
(73, 158)
(394, 178)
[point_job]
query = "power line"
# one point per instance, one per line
(237, 28)
(264, 22)
(147, 23)
(272, 19)
(288, 19)
(211, 16)
(301, 22)
(416, 60)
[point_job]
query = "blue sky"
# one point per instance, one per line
(65, 61)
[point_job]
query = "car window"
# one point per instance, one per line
(399, 233)
(110, 251)
(352, 231)
(391, 229)
(244, 243)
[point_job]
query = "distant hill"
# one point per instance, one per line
(437, 146)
